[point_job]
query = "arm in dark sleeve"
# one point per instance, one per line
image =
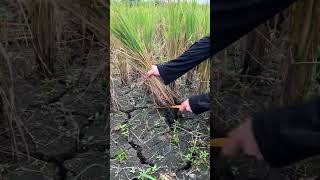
(197, 53)
(200, 103)
(288, 134)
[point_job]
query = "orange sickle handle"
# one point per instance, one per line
(218, 142)
(176, 106)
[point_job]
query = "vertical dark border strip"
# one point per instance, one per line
(107, 76)
(212, 154)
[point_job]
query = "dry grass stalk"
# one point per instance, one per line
(161, 94)
(304, 42)
(7, 100)
(46, 31)
(91, 15)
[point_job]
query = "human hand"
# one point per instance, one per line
(185, 106)
(153, 72)
(242, 140)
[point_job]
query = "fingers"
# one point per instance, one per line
(185, 106)
(188, 108)
(149, 74)
(241, 140)
(182, 108)
(152, 72)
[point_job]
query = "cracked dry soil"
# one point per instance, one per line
(64, 121)
(148, 140)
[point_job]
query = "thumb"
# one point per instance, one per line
(149, 73)
(182, 107)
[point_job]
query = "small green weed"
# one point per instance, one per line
(147, 174)
(123, 128)
(175, 137)
(197, 156)
(122, 155)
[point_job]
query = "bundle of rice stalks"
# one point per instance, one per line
(137, 47)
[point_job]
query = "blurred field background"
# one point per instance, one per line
(53, 89)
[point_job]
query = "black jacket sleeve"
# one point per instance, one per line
(197, 53)
(200, 103)
(288, 134)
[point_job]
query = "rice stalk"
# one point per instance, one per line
(46, 31)
(204, 76)
(123, 67)
(91, 15)
(303, 44)
(7, 100)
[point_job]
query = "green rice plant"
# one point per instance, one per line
(203, 15)
(174, 29)
(191, 21)
(147, 174)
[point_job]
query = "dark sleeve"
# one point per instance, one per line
(197, 53)
(200, 103)
(232, 19)
(288, 134)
